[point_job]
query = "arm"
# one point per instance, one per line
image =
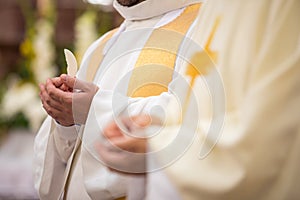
(52, 148)
(55, 141)
(57, 100)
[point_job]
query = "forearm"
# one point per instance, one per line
(49, 164)
(65, 139)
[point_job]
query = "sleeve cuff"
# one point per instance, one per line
(67, 132)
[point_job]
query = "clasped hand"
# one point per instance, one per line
(67, 99)
(125, 153)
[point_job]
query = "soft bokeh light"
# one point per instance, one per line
(33, 35)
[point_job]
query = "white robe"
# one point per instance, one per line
(256, 155)
(90, 179)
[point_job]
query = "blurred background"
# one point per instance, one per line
(33, 34)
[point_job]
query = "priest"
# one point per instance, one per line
(126, 72)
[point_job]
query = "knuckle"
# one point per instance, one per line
(54, 115)
(42, 94)
(48, 101)
(62, 100)
(50, 111)
(51, 103)
(51, 92)
(44, 105)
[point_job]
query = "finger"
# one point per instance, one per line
(112, 130)
(51, 102)
(65, 88)
(57, 81)
(68, 80)
(63, 76)
(42, 88)
(126, 143)
(78, 84)
(53, 112)
(57, 94)
(57, 114)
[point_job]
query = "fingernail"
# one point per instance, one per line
(63, 77)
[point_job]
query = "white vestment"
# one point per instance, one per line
(55, 144)
(257, 143)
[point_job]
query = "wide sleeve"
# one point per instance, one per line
(53, 146)
(255, 156)
(106, 107)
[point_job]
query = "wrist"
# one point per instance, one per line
(65, 124)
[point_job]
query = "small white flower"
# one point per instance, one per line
(85, 33)
(42, 65)
(17, 98)
(35, 114)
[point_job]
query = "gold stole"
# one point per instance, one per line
(159, 52)
(94, 63)
(158, 57)
(97, 57)
(154, 67)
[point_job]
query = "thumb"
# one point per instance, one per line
(76, 83)
(68, 80)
